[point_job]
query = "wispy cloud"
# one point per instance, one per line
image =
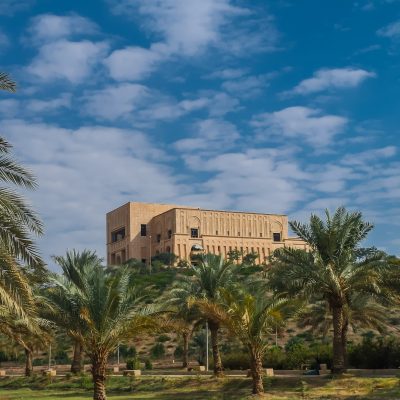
(326, 79)
(59, 57)
(299, 123)
(187, 28)
(391, 31)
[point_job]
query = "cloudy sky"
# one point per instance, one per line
(270, 106)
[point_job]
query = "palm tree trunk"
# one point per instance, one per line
(344, 343)
(256, 371)
(99, 362)
(185, 362)
(214, 328)
(28, 362)
(338, 356)
(76, 365)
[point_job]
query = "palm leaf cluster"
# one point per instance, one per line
(336, 273)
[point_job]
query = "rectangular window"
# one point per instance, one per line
(216, 232)
(249, 233)
(260, 234)
(117, 235)
(143, 230)
(228, 233)
(238, 233)
(194, 233)
(276, 237)
(158, 238)
(169, 233)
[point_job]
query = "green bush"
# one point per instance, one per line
(158, 350)
(178, 353)
(380, 352)
(163, 338)
(148, 364)
(133, 363)
(127, 351)
(236, 361)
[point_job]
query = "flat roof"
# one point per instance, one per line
(223, 211)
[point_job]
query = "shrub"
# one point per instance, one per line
(236, 361)
(133, 363)
(158, 350)
(127, 351)
(381, 352)
(163, 338)
(178, 353)
(148, 364)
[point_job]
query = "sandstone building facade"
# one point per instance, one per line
(142, 230)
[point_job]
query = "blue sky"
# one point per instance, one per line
(269, 106)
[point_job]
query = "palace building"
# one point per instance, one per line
(143, 230)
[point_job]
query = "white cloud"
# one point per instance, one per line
(67, 60)
(136, 102)
(210, 135)
(366, 157)
(83, 174)
(61, 56)
(255, 180)
(116, 101)
(302, 123)
(336, 78)
(247, 86)
(132, 63)
(187, 28)
(391, 31)
(43, 106)
(10, 7)
(50, 27)
(228, 73)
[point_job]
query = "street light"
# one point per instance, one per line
(206, 345)
(150, 255)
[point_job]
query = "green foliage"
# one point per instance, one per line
(127, 351)
(157, 351)
(178, 353)
(183, 264)
(165, 259)
(250, 259)
(163, 338)
(61, 357)
(234, 255)
(236, 361)
(379, 352)
(133, 363)
(148, 364)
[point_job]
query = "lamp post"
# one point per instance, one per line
(49, 356)
(206, 345)
(150, 255)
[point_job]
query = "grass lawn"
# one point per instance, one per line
(196, 388)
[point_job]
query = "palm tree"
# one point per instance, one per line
(6, 83)
(334, 267)
(17, 223)
(110, 310)
(60, 297)
(209, 276)
(250, 316)
(184, 317)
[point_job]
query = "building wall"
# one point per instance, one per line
(131, 215)
(169, 230)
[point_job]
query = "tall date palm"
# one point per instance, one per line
(110, 311)
(334, 268)
(209, 277)
(17, 223)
